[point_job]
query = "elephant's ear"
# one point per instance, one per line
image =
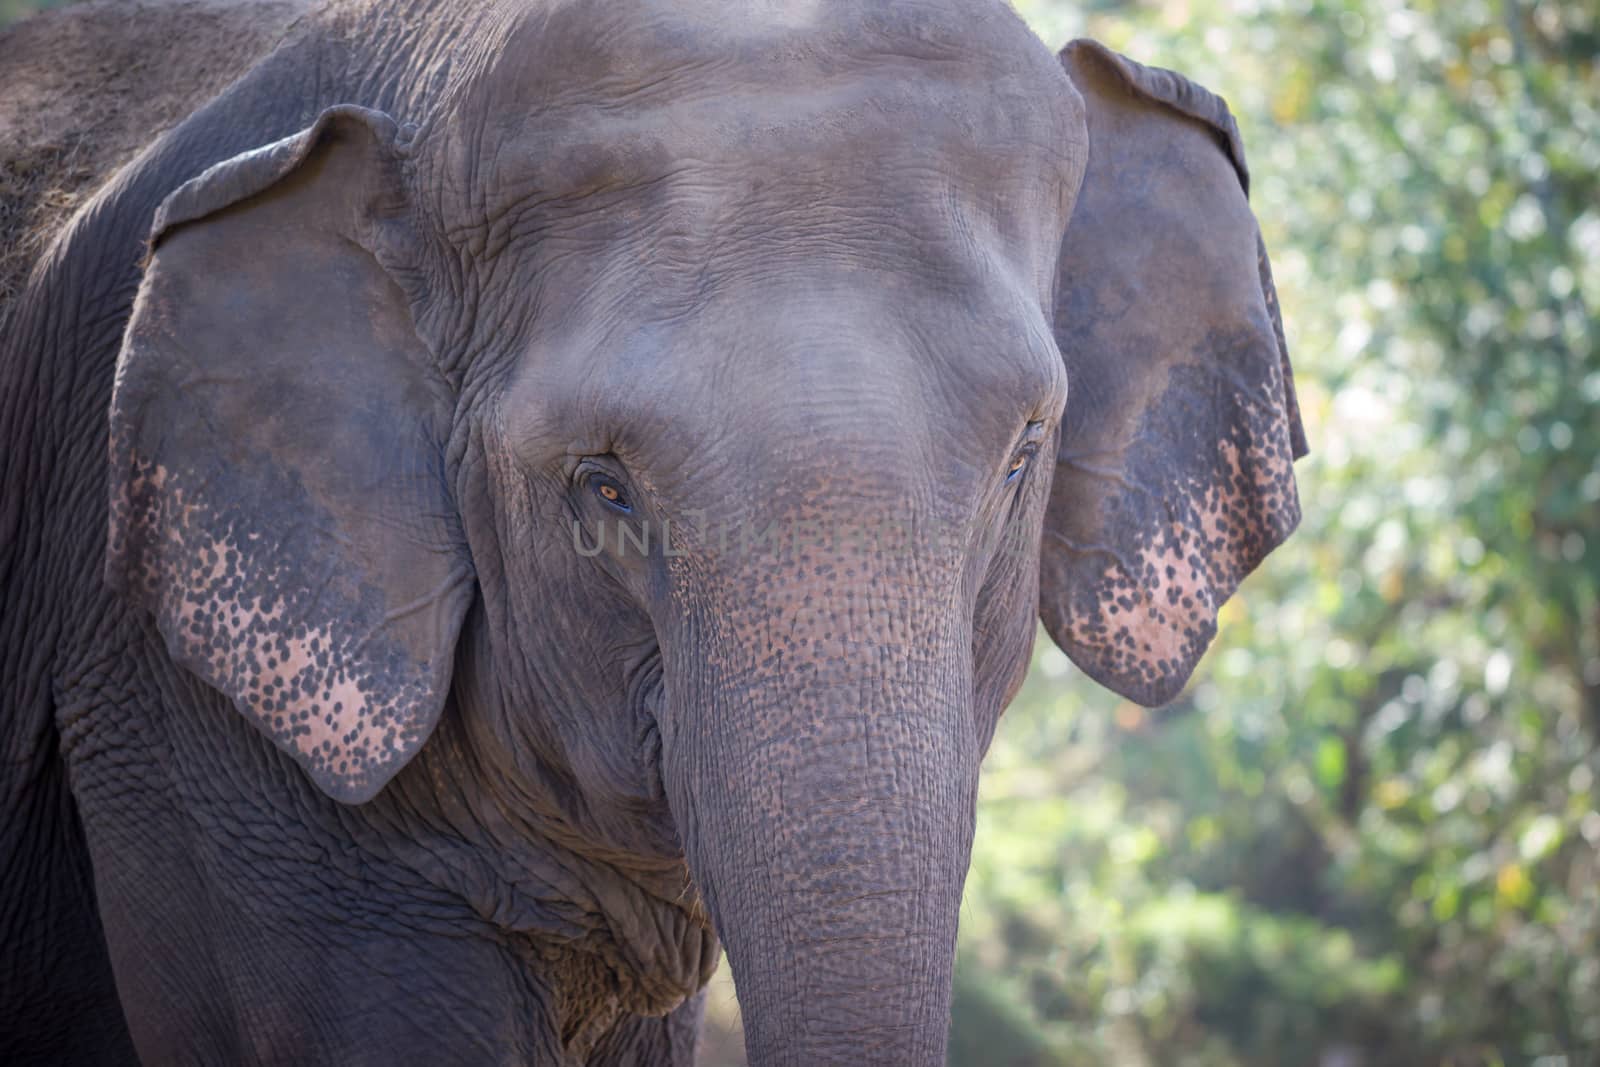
(278, 490)
(1174, 477)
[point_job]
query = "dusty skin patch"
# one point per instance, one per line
(91, 85)
(296, 654)
(331, 727)
(1166, 552)
(1164, 605)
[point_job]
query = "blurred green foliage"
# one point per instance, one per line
(1369, 835)
(11, 10)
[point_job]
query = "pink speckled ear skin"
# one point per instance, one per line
(1174, 476)
(278, 497)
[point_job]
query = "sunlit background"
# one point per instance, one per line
(1368, 835)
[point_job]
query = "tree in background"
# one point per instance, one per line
(12, 10)
(1369, 834)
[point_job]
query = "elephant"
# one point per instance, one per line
(506, 501)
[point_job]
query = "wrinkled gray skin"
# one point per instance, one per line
(373, 764)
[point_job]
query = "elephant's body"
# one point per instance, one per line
(339, 504)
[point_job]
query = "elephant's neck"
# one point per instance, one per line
(607, 930)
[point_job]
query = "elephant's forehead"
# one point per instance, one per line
(703, 80)
(648, 37)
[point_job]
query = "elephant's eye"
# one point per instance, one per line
(1020, 463)
(1032, 435)
(611, 493)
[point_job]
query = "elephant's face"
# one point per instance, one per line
(713, 362)
(767, 363)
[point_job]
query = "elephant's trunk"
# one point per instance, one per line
(826, 804)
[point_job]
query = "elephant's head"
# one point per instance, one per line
(684, 405)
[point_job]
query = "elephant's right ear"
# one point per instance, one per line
(1175, 472)
(279, 497)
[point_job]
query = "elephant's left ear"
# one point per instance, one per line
(1174, 476)
(279, 498)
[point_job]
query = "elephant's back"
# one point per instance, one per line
(87, 87)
